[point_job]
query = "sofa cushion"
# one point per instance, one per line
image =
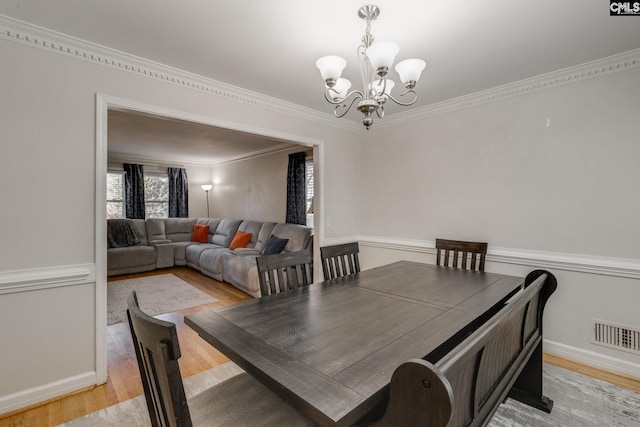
(132, 259)
(263, 235)
(179, 251)
(225, 232)
(242, 272)
(179, 229)
(240, 240)
(299, 236)
(200, 233)
(156, 229)
(211, 262)
(193, 252)
(274, 245)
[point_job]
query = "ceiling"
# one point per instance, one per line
(270, 47)
(153, 138)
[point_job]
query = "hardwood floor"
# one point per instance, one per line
(123, 381)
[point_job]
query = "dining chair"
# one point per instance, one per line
(284, 271)
(240, 400)
(456, 253)
(340, 260)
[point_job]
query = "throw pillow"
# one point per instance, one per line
(200, 233)
(274, 245)
(240, 240)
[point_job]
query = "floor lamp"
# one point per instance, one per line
(206, 188)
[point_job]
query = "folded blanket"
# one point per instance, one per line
(121, 233)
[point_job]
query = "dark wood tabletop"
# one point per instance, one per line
(330, 348)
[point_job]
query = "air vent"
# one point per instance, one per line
(616, 336)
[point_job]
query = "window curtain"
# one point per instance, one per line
(134, 191)
(296, 190)
(178, 193)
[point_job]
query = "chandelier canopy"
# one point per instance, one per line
(375, 59)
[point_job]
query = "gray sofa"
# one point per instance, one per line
(165, 242)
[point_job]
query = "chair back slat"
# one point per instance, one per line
(340, 260)
(284, 271)
(157, 351)
(457, 253)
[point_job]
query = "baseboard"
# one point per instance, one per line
(35, 395)
(595, 360)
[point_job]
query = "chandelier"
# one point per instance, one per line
(375, 59)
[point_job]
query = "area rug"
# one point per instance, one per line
(579, 401)
(156, 295)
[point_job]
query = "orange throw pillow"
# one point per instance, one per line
(240, 240)
(200, 233)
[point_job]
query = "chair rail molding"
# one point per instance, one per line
(44, 278)
(617, 267)
(32, 35)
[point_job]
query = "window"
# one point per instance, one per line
(309, 187)
(156, 195)
(115, 195)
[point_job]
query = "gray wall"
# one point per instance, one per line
(548, 178)
(50, 273)
(561, 197)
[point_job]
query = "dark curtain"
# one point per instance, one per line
(134, 191)
(296, 190)
(178, 193)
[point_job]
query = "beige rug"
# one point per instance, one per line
(156, 295)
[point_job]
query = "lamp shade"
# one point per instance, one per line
(206, 187)
(379, 84)
(382, 54)
(331, 67)
(410, 69)
(339, 91)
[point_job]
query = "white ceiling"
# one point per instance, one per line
(270, 47)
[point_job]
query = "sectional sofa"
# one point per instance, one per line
(165, 242)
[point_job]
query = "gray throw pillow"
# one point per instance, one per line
(274, 245)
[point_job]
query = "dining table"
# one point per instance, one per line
(330, 348)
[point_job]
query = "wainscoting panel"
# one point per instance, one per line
(48, 317)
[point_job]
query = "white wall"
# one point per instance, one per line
(549, 178)
(48, 279)
(254, 189)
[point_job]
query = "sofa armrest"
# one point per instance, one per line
(160, 242)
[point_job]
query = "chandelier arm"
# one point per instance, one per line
(380, 111)
(347, 108)
(405, 104)
(347, 96)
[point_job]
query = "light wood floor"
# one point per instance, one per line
(123, 381)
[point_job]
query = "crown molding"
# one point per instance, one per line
(32, 35)
(35, 36)
(114, 157)
(612, 64)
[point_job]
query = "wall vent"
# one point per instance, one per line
(616, 336)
